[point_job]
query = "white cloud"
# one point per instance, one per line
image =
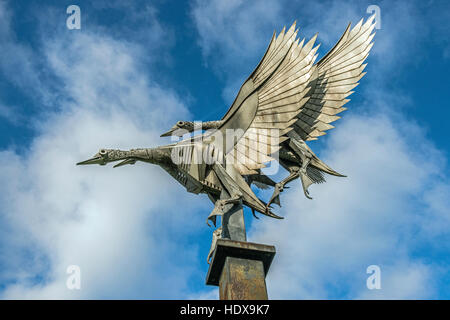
(212, 294)
(394, 200)
(234, 34)
(18, 62)
(402, 281)
(126, 233)
(232, 24)
(121, 225)
(374, 216)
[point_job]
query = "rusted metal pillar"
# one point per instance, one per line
(233, 226)
(239, 269)
(242, 279)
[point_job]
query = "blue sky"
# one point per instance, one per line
(136, 67)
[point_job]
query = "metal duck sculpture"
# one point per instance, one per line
(335, 75)
(287, 100)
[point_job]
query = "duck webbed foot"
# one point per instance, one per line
(294, 173)
(217, 234)
(219, 208)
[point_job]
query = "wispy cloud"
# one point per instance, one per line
(234, 34)
(18, 62)
(116, 224)
(375, 216)
(388, 206)
(122, 227)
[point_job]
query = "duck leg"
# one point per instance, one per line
(306, 181)
(217, 234)
(294, 173)
(219, 207)
(305, 154)
(233, 194)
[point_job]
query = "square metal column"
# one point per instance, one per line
(239, 269)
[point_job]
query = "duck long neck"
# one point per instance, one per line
(211, 124)
(151, 155)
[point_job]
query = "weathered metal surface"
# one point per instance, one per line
(238, 249)
(287, 100)
(288, 93)
(233, 225)
(242, 279)
(300, 100)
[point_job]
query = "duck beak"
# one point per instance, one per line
(124, 162)
(97, 159)
(168, 133)
(173, 132)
